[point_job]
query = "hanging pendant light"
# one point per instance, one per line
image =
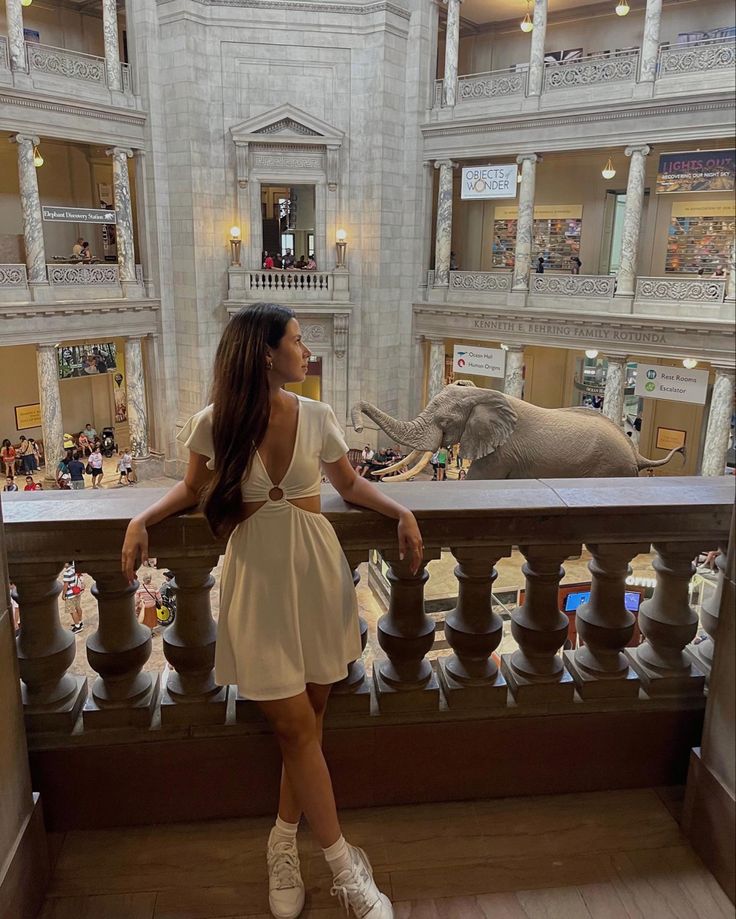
(623, 8)
(690, 363)
(608, 171)
(26, 2)
(592, 354)
(37, 158)
(526, 24)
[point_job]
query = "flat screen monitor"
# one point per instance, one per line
(632, 600)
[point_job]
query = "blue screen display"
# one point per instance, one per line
(632, 599)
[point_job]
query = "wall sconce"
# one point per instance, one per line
(608, 171)
(690, 363)
(37, 158)
(341, 243)
(592, 354)
(235, 245)
(623, 8)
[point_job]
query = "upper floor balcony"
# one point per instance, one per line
(246, 285)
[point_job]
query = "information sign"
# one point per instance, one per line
(63, 214)
(483, 362)
(654, 381)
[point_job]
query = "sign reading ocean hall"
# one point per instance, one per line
(655, 381)
(482, 183)
(63, 214)
(705, 170)
(483, 362)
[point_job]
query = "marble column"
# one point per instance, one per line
(613, 396)
(513, 378)
(650, 42)
(525, 221)
(32, 216)
(112, 46)
(443, 233)
(52, 424)
(124, 215)
(626, 278)
(16, 40)
(436, 367)
(536, 53)
(452, 48)
(719, 423)
(731, 282)
(136, 389)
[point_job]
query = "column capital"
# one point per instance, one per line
(724, 370)
(644, 149)
(120, 151)
(448, 2)
(615, 357)
(532, 157)
(514, 348)
(451, 163)
(25, 139)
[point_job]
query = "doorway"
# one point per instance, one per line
(287, 213)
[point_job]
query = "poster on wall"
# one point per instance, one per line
(27, 416)
(654, 381)
(483, 183)
(119, 390)
(702, 170)
(556, 235)
(482, 362)
(86, 360)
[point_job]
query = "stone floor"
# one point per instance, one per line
(602, 855)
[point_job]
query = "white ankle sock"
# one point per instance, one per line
(338, 856)
(285, 830)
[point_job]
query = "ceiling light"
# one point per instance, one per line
(690, 363)
(623, 8)
(591, 353)
(37, 158)
(608, 171)
(504, 347)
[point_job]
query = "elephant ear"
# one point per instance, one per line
(490, 422)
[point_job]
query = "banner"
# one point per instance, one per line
(705, 170)
(542, 212)
(483, 183)
(63, 214)
(653, 381)
(86, 360)
(482, 362)
(704, 209)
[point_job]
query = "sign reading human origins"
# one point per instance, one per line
(483, 362)
(482, 183)
(705, 170)
(63, 214)
(654, 381)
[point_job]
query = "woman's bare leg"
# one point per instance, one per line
(289, 808)
(295, 723)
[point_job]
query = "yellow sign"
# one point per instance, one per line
(27, 416)
(670, 438)
(723, 208)
(543, 212)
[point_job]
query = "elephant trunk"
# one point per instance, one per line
(419, 434)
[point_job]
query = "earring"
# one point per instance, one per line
(269, 365)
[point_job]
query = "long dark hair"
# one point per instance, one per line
(242, 406)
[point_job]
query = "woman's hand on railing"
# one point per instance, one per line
(410, 541)
(135, 548)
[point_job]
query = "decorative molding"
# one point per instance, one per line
(72, 65)
(340, 329)
(700, 57)
(288, 124)
(82, 275)
(618, 67)
(13, 276)
(573, 285)
(479, 280)
(347, 9)
(314, 333)
(284, 161)
(492, 85)
(99, 113)
(694, 290)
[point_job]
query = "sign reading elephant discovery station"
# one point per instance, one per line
(64, 214)
(483, 362)
(654, 381)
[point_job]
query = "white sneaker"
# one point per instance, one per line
(285, 885)
(356, 889)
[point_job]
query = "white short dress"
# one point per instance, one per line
(288, 611)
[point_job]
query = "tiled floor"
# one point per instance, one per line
(605, 855)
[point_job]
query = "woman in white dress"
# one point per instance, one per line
(288, 624)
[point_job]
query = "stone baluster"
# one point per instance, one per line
(406, 682)
(604, 625)
(135, 383)
(615, 391)
(731, 282)
(52, 424)
(443, 233)
(513, 378)
(626, 278)
(436, 376)
(669, 623)
(353, 694)
(452, 49)
(536, 53)
(650, 41)
(30, 203)
(122, 695)
(189, 694)
(535, 672)
(470, 677)
(702, 654)
(124, 217)
(16, 38)
(112, 46)
(52, 697)
(717, 433)
(525, 222)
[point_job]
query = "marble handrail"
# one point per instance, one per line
(677, 58)
(479, 522)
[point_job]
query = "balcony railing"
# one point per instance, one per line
(59, 62)
(493, 85)
(614, 67)
(696, 57)
(480, 280)
(4, 54)
(82, 275)
(692, 290)
(572, 285)
(287, 285)
(13, 276)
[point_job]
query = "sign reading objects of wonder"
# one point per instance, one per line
(654, 381)
(483, 183)
(64, 214)
(482, 362)
(704, 170)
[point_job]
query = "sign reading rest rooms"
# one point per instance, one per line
(482, 183)
(653, 381)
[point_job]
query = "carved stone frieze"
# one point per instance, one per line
(286, 125)
(598, 68)
(580, 285)
(491, 85)
(70, 64)
(681, 289)
(697, 58)
(280, 161)
(340, 329)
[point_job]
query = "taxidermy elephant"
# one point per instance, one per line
(509, 439)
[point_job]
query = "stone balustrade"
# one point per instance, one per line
(573, 285)
(480, 522)
(82, 275)
(4, 54)
(54, 69)
(594, 69)
(496, 84)
(480, 280)
(287, 286)
(676, 58)
(679, 290)
(12, 276)
(60, 62)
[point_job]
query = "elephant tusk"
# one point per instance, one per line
(410, 473)
(394, 467)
